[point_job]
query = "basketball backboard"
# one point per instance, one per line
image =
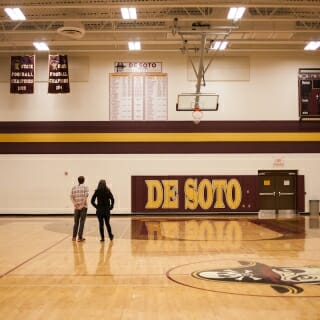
(204, 101)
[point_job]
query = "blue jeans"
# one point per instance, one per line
(79, 220)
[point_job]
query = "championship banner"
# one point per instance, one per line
(22, 74)
(58, 74)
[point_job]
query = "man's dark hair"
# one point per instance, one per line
(81, 179)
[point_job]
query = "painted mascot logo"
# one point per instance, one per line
(281, 279)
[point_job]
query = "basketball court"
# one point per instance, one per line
(162, 267)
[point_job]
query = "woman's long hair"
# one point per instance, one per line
(102, 185)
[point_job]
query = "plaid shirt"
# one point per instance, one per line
(79, 194)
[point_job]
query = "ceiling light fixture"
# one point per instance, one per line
(134, 45)
(129, 13)
(41, 46)
(15, 14)
(236, 13)
(219, 45)
(312, 45)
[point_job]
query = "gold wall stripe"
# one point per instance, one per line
(162, 137)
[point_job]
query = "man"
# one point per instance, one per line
(79, 195)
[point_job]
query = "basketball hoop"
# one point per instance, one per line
(197, 115)
(197, 103)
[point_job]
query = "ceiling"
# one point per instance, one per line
(162, 25)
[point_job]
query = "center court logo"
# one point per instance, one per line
(251, 278)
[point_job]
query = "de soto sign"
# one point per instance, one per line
(194, 193)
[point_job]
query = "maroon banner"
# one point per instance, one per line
(194, 194)
(22, 74)
(58, 74)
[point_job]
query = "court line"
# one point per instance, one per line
(35, 256)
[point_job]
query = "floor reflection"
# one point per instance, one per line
(314, 222)
(80, 266)
(105, 252)
(241, 229)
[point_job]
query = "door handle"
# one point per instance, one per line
(286, 193)
(267, 194)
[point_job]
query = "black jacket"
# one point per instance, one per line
(105, 200)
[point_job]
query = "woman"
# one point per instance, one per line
(104, 204)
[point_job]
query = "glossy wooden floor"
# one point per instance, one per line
(265, 267)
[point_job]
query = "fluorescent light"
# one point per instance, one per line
(134, 45)
(312, 45)
(219, 45)
(128, 13)
(41, 46)
(232, 13)
(236, 13)
(133, 13)
(125, 13)
(15, 13)
(223, 45)
(215, 45)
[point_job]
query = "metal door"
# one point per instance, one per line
(277, 190)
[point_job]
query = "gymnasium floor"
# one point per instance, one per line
(164, 267)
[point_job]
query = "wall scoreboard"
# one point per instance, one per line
(309, 94)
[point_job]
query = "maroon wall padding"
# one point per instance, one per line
(158, 127)
(157, 147)
(300, 194)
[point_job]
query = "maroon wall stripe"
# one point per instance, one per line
(158, 147)
(157, 126)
